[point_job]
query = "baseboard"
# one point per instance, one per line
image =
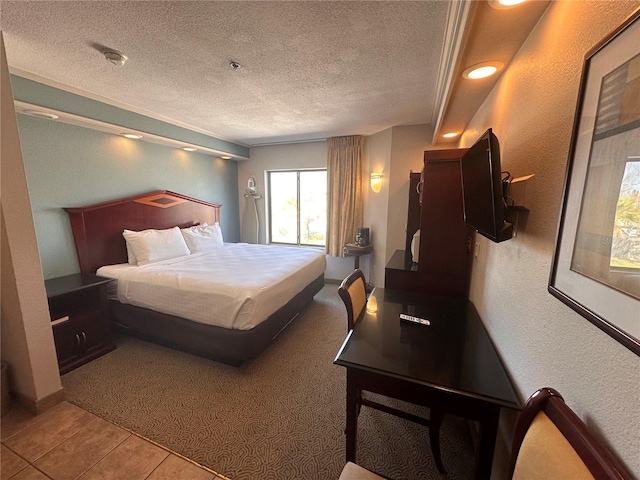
(36, 407)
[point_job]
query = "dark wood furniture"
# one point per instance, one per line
(351, 249)
(540, 450)
(450, 365)
(353, 294)
(79, 318)
(444, 236)
(97, 231)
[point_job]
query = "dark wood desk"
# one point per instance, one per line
(450, 363)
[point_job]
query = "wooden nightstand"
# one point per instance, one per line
(79, 318)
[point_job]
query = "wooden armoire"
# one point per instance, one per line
(435, 206)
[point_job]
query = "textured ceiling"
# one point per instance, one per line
(309, 70)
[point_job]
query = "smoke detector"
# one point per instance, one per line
(115, 57)
(234, 65)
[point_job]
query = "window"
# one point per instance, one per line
(298, 206)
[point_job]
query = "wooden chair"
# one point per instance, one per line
(353, 293)
(552, 442)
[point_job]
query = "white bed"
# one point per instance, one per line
(236, 286)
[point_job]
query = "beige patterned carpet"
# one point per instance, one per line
(278, 417)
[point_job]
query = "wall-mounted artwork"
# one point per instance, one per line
(596, 268)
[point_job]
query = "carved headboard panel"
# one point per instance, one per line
(97, 229)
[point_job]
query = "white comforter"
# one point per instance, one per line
(237, 286)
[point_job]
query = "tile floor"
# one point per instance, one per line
(68, 443)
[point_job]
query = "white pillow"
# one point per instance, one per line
(151, 245)
(203, 238)
(131, 256)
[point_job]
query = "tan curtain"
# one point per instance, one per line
(344, 198)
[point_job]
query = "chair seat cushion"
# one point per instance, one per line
(351, 471)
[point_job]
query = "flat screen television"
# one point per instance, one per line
(482, 191)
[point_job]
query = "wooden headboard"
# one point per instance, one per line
(97, 229)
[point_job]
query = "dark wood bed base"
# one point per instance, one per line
(97, 231)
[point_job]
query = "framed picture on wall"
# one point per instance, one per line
(596, 266)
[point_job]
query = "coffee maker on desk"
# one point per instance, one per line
(362, 238)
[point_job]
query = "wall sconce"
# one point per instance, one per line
(376, 182)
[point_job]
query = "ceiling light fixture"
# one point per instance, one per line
(134, 136)
(450, 135)
(502, 4)
(225, 157)
(39, 114)
(482, 70)
(189, 149)
(115, 57)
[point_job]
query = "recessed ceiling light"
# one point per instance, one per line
(450, 135)
(39, 114)
(482, 70)
(225, 157)
(135, 136)
(189, 149)
(501, 4)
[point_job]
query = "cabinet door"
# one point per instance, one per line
(68, 343)
(93, 331)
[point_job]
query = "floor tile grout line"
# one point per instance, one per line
(28, 464)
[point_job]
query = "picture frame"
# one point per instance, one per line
(596, 263)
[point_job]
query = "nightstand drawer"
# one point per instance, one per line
(74, 304)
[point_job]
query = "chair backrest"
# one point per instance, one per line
(552, 442)
(353, 293)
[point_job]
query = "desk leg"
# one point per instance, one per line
(487, 442)
(356, 262)
(352, 416)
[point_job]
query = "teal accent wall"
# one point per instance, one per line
(70, 166)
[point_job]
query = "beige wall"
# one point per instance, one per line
(407, 154)
(543, 342)
(376, 214)
(27, 338)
